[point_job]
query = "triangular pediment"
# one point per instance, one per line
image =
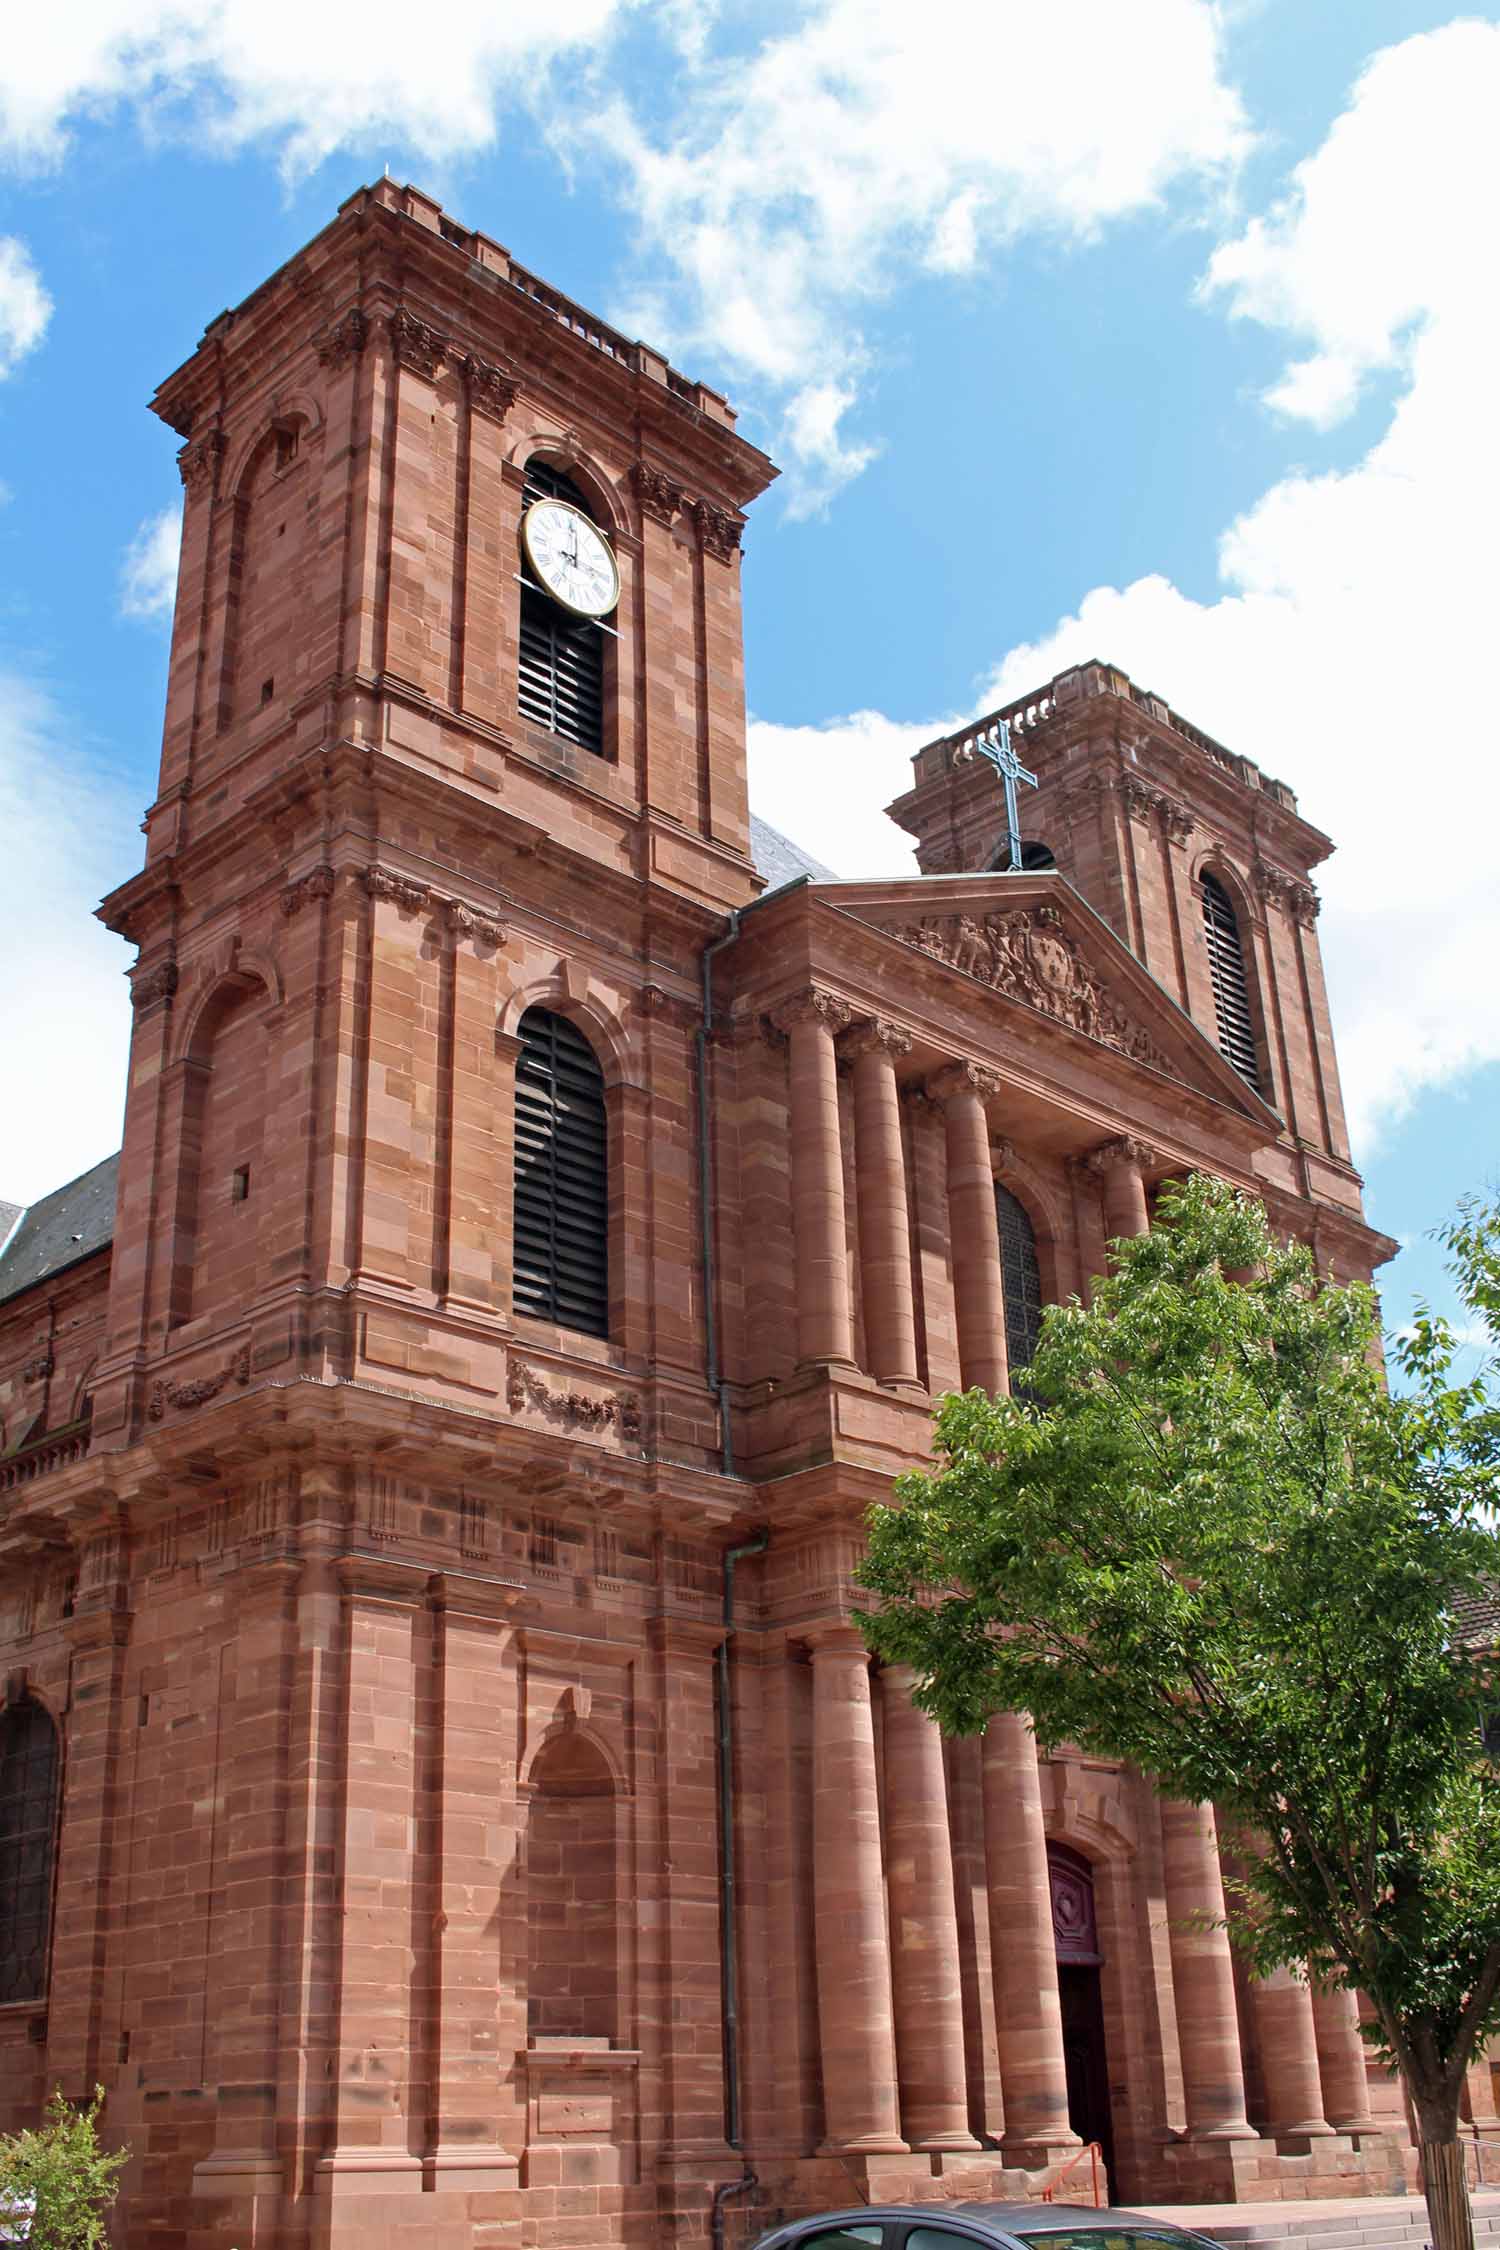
(1033, 940)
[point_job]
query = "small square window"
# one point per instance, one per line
(239, 1187)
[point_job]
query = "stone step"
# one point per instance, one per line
(1395, 2224)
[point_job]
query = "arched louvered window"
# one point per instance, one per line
(1021, 1277)
(562, 1181)
(1226, 961)
(28, 1822)
(561, 665)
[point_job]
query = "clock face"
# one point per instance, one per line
(571, 557)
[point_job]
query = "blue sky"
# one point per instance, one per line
(1141, 329)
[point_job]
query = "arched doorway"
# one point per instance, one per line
(1075, 1928)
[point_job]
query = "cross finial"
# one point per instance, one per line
(994, 744)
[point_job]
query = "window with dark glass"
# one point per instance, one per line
(1231, 982)
(1022, 1280)
(562, 1179)
(560, 683)
(28, 1810)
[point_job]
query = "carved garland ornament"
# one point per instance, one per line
(574, 1409)
(1030, 957)
(198, 1392)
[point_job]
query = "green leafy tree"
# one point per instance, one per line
(1210, 1541)
(60, 2176)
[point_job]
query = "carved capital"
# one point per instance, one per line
(656, 493)
(874, 1037)
(957, 1078)
(1274, 885)
(719, 532)
(149, 986)
(812, 1006)
(199, 463)
(415, 344)
(37, 1370)
(1305, 904)
(491, 390)
(1177, 820)
(1123, 1150)
(1139, 800)
(382, 883)
(345, 340)
(317, 884)
(470, 922)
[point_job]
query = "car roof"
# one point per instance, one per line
(1004, 2218)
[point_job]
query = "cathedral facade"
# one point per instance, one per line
(441, 1784)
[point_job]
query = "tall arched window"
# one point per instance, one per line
(1226, 961)
(28, 1809)
(561, 665)
(1022, 1280)
(562, 1177)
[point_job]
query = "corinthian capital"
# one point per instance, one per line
(874, 1036)
(812, 1006)
(1124, 1150)
(957, 1078)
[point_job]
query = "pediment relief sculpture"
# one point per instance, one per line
(1029, 956)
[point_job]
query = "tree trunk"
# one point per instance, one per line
(1447, 2193)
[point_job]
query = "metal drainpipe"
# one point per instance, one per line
(716, 1382)
(728, 1968)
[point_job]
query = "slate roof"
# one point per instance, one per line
(779, 859)
(70, 1223)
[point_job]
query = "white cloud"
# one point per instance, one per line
(25, 307)
(148, 572)
(876, 141)
(1350, 652)
(70, 829)
(306, 80)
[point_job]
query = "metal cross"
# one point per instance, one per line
(994, 744)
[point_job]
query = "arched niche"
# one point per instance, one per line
(574, 1885)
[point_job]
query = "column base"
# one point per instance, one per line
(866, 2144)
(955, 2143)
(367, 2171)
(230, 2172)
(471, 2169)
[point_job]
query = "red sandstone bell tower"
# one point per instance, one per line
(356, 792)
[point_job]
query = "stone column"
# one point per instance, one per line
(1028, 2016)
(1341, 2060)
(963, 1089)
(476, 1820)
(1213, 2077)
(1120, 1165)
(884, 1218)
(481, 1105)
(924, 1928)
(856, 2032)
(1288, 2055)
(825, 1329)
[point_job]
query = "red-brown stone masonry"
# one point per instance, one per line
(761, 1343)
(971, 1899)
(724, 691)
(666, 670)
(662, 1183)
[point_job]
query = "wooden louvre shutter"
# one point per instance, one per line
(560, 669)
(1021, 1278)
(562, 1177)
(1226, 963)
